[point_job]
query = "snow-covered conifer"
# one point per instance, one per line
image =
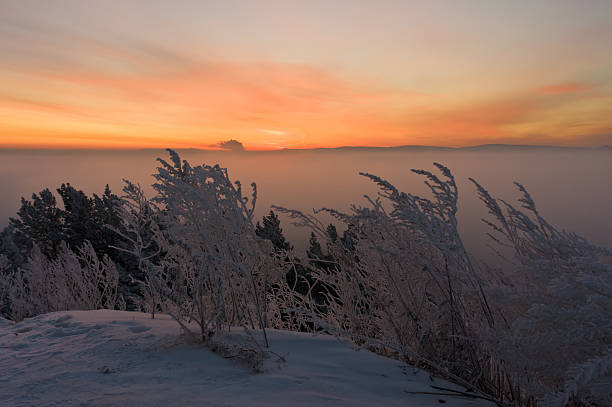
(272, 231)
(137, 229)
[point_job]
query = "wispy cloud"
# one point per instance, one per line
(296, 74)
(563, 88)
(133, 93)
(274, 132)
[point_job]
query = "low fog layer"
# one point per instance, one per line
(399, 282)
(570, 186)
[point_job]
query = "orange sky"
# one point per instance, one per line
(288, 74)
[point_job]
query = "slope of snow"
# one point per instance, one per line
(118, 358)
(5, 322)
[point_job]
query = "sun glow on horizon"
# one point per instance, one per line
(67, 81)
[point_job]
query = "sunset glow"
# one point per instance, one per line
(144, 74)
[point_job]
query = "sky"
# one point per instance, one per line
(302, 74)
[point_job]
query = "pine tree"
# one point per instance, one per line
(318, 258)
(272, 231)
(349, 238)
(9, 248)
(332, 233)
(84, 219)
(78, 222)
(39, 221)
(314, 250)
(104, 214)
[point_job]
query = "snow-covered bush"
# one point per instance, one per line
(138, 228)
(399, 281)
(404, 283)
(558, 306)
(4, 265)
(214, 271)
(5, 281)
(73, 281)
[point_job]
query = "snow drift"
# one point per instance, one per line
(112, 358)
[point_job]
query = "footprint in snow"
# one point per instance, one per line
(139, 329)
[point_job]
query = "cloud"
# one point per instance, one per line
(51, 48)
(274, 132)
(603, 138)
(563, 88)
(232, 145)
(133, 94)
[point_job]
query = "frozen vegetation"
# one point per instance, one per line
(397, 281)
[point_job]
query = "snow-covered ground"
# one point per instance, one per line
(118, 358)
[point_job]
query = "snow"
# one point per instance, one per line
(119, 358)
(5, 322)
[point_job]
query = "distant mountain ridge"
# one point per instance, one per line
(480, 147)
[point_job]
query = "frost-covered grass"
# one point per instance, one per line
(119, 358)
(406, 284)
(399, 281)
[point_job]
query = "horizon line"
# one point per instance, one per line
(245, 150)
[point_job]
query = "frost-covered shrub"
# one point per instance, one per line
(403, 282)
(214, 271)
(137, 229)
(72, 281)
(4, 264)
(558, 306)
(5, 279)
